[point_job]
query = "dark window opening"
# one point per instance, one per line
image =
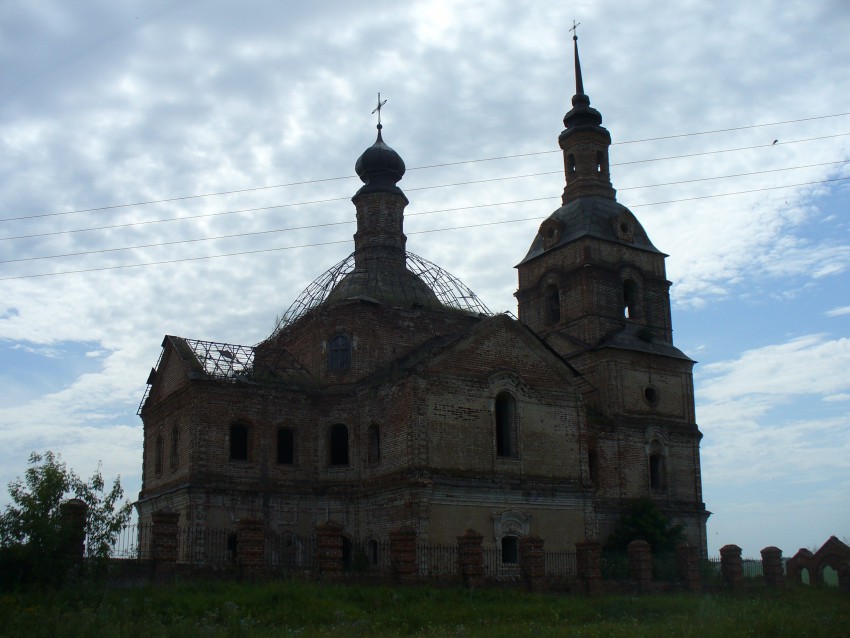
(157, 464)
(600, 162)
(571, 163)
(631, 297)
(374, 454)
(552, 303)
(372, 552)
(656, 471)
(651, 395)
(174, 460)
(593, 466)
(238, 442)
(505, 425)
(339, 353)
(347, 553)
(510, 550)
(339, 445)
(285, 446)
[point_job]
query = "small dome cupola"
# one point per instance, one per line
(380, 168)
(585, 145)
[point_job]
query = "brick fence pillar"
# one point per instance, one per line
(470, 557)
(329, 549)
(251, 545)
(164, 533)
(687, 564)
(73, 520)
(532, 561)
(771, 567)
(640, 564)
(588, 566)
(731, 567)
(403, 553)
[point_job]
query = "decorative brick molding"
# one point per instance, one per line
(771, 567)
(833, 553)
(470, 557)
(588, 566)
(687, 565)
(640, 564)
(731, 567)
(329, 549)
(532, 562)
(251, 545)
(73, 514)
(403, 553)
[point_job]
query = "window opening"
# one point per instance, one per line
(571, 163)
(238, 442)
(552, 303)
(339, 353)
(600, 162)
(505, 425)
(372, 552)
(630, 299)
(374, 443)
(339, 445)
(174, 440)
(656, 471)
(593, 466)
(347, 553)
(510, 550)
(651, 395)
(285, 446)
(158, 455)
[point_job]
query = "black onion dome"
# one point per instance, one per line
(379, 168)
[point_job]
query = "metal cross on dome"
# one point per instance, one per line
(573, 29)
(378, 108)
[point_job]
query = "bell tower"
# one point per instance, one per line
(594, 287)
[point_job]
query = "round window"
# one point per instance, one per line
(651, 395)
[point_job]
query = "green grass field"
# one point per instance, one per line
(302, 609)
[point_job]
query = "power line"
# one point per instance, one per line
(336, 199)
(419, 232)
(326, 224)
(445, 164)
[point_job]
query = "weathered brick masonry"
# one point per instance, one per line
(389, 399)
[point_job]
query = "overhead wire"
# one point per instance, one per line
(328, 243)
(441, 165)
(327, 224)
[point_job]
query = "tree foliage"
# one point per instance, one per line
(34, 535)
(644, 521)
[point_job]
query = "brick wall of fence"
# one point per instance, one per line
(167, 548)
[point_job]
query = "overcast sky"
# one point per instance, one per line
(122, 125)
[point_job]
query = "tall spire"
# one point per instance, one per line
(579, 83)
(585, 143)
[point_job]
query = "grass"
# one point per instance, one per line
(286, 608)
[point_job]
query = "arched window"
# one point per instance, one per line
(338, 445)
(593, 466)
(571, 163)
(506, 425)
(157, 462)
(374, 437)
(510, 550)
(174, 440)
(552, 303)
(339, 353)
(285, 446)
(238, 442)
(631, 299)
(600, 163)
(372, 552)
(657, 467)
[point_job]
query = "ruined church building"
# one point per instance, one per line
(389, 396)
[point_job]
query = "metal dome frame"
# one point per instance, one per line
(450, 291)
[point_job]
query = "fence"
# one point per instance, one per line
(250, 548)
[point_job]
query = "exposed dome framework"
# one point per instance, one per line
(450, 291)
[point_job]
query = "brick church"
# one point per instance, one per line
(389, 396)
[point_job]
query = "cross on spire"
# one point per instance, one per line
(573, 29)
(378, 109)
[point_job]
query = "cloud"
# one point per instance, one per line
(838, 312)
